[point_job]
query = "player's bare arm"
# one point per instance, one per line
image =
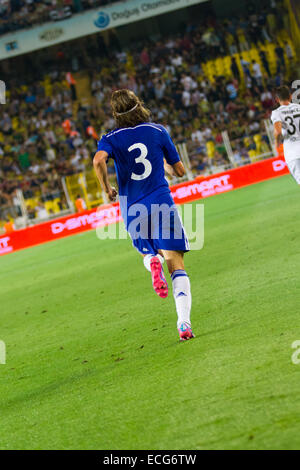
(278, 133)
(168, 169)
(179, 169)
(100, 167)
(175, 170)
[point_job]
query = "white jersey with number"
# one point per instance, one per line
(289, 116)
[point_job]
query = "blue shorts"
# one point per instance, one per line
(153, 224)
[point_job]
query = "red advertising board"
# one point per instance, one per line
(200, 187)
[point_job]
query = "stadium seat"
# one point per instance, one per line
(258, 142)
(270, 50)
(49, 206)
(31, 203)
(15, 123)
(246, 142)
(252, 155)
(56, 205)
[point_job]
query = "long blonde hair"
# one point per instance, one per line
(128, 110)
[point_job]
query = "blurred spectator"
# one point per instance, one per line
(8, 226)
(280, 54)
(41, 211)
(72, 84)
(234, 69)
(80, 204)
(265, 62)
(288, 51)
(257, 73)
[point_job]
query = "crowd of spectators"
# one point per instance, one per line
(42, 138)
(20, 14)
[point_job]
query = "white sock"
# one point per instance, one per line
(182, 295)
(148, 258)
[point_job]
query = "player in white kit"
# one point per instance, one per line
(286, 121)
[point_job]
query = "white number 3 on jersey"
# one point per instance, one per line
(141, 159)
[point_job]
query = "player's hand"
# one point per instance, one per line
(112, 194)
(168, 169)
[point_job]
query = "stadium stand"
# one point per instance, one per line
(212, 77)
(20, 14)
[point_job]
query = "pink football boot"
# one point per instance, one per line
(185, 332)
(158, 278)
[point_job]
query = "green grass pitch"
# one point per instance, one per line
(93, 357)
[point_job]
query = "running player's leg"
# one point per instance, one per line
(294, 167)
(181, 291)
(153, 263)
(174, 259)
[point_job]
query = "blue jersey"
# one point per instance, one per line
(138, 153)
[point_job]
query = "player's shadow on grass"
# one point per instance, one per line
(45, 390)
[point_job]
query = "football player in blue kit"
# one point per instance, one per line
(141, 151)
